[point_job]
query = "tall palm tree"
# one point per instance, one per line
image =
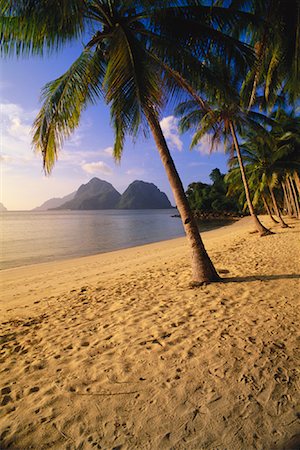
(286, 133)
(222, 121)
(270, 158)
(137, 54)
(262, 167)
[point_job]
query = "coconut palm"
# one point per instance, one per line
(276, 41)
(223, 120)
(269, 160)
(286, 132)
(260, 161)
(136, 55)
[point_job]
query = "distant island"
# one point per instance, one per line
(99, 194)
(54, 202)
(2, 207)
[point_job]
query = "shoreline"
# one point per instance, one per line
(211, 224)
(118, 351)
(62, 274)
(65, 260)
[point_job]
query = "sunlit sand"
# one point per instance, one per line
(118, 351)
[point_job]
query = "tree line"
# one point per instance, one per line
(213, 200)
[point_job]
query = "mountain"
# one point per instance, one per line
(96, 194)
(55, 202)
(142, 195)
(2, 207)
(99, 194)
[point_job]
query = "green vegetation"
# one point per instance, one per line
(272, 164)
(212, 200)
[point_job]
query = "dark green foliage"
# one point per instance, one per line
(212, 198)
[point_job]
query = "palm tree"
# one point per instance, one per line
(137, 55)
(222, 122)
(262, 166)
(269, 160)
(276, 41)
(286, 133)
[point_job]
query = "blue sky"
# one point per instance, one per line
(89, 152)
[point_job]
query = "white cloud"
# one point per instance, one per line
(108, 151)
(16, 131)
(73, 157)
(97, 167)
(5, 158)
(204, 146)
(169, 126)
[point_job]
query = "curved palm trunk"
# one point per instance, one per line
(297, 181)
(295, 197)
(277, 210)
(286, 200)
(263, 231)
(259, 57)
(267, 208)
(289, 197)
(203, 270)
(293, 204)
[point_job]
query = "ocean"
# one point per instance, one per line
(29, 237)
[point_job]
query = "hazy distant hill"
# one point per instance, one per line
(96, 194)
(142, 195)
(2, 207)
(99, 194)
(55, 202)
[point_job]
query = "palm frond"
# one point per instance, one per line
(32, 27)
(132, 85)
(64, 99)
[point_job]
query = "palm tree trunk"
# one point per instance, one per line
(295, 198)
(267, 208)
(291, 196)
(263, 231)
(260, 51)
(297, 181)
(203, 270)
(283, 224)
(286, 199)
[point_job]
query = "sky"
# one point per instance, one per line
(88, 153)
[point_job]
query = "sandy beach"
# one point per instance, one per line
(117, 351)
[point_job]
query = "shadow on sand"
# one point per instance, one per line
(286, 276)
(292, 444)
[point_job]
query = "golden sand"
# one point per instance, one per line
(117, 351)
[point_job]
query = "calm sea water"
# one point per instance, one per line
(32, 237)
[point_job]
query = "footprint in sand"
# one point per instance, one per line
(6, 399)
(281, 376)
(33, 390)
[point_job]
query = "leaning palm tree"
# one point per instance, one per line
(136, 56)
(286, 133)
(269, 160)
(263, 166)
(223, 120)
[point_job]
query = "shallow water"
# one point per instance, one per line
(29, 237)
